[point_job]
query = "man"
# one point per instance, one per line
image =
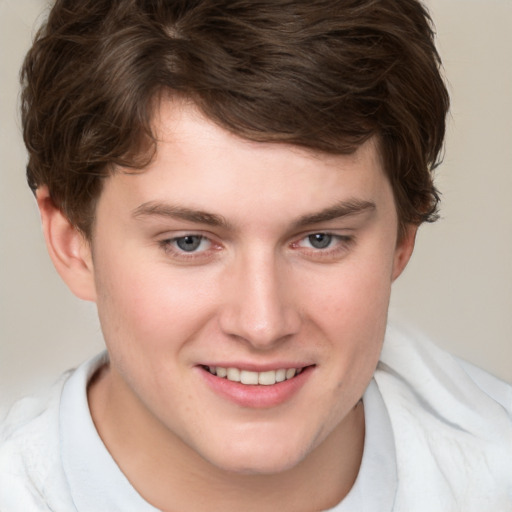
(236, 185)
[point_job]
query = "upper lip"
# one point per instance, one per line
(252, 367)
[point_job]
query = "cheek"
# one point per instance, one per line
(352, 318)
(355, 294)
(351, 310)
(146, 307)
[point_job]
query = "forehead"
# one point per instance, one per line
(174, 118)
(200, 165)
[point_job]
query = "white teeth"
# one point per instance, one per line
(247, 377)
(233, 374)
(290, 373)
(267, 378)
(280, 375)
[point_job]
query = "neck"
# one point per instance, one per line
(171, 475)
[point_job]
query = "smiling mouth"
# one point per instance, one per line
(249, 378)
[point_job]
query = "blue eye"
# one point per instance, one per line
(190, 248)
(324, 247)
(320, 240)
(189, 243)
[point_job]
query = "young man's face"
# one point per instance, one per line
(259, 260)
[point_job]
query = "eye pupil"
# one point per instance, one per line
(189, 243)
(320, 240)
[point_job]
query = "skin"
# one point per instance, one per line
(256, 292)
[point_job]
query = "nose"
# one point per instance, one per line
(259, 305)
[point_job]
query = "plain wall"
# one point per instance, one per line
(458, 287)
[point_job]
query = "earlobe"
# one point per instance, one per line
(69, 250)
(404, 249)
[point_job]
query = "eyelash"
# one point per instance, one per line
(340, 245)
(169, 247)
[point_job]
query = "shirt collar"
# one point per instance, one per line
(95, 480)
(375, 487)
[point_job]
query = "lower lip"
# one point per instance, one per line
(257, 397)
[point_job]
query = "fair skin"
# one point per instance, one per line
(259, 257)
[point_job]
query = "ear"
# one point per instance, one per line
(68, 248)
(404, 249)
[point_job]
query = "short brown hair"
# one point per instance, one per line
(323, 74)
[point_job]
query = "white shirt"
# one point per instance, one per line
(434, 441)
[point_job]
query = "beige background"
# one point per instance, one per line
(458, 287)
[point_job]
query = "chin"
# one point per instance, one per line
(258, 465)
(264, 455)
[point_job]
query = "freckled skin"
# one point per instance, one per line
(255, 291)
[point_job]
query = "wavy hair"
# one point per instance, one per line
(322, 74)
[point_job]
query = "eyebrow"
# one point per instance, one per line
(339, 210)
(342, 209)
(153, 208)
